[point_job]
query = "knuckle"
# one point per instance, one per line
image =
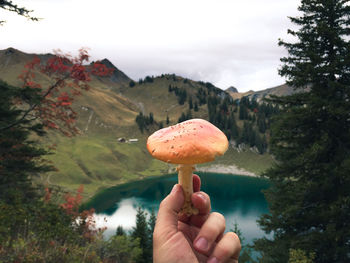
(162, 204)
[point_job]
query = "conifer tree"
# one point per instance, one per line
(167, 120)
(243, 112)
(190, 103)
(232, 126)
(182, 118)
(132, 84)
(261, 122)
(196, 107)
(309, 199)
(18, 155)
(141, 231)
(120, 231)
(140, 120)
(151, 224)
(151, 118)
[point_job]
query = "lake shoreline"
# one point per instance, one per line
(238, 198)
(225, 169)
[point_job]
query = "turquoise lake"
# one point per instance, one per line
(238, 198)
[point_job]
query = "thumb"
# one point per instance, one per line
(167, 219)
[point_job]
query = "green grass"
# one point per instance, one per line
(100, 161)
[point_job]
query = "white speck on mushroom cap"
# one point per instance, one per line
(202, 144)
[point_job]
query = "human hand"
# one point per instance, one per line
(199, 238)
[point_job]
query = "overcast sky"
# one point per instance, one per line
(225, 42)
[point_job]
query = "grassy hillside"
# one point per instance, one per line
(100, 161)
(155, 97)
(107, 112)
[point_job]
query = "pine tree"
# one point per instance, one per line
(309, 198)
(189, 114)
(140, 120)
(132, 84)
(141, 231)
(151, 118)
(196, 107)
(151, 224)
(243, 112)
(232, 126)
(19, 156)
(152, 221)
(167, 120)
(201, 96)
(261, 122)
(181, 95)
(190, 103)
(182, 118)
(248, 134)
(120, 231)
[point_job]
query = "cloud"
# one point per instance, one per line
(221, 41)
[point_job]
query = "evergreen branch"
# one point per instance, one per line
(28, 111)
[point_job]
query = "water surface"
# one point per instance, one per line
(238, 198)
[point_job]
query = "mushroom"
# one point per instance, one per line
(186, 144)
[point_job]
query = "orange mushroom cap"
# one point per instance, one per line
(189, 142)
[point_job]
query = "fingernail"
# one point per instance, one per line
(213, 260)
(201, 244)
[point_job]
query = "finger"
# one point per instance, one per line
(196, 187)
(201, 201)
(212, 228)
(196, 183)
(227, 250)
(167, 219)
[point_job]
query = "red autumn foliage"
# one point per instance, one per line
(85, 219)
(67, 76)
(71, 206)
(100, 69)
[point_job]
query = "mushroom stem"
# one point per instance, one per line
(186, 181)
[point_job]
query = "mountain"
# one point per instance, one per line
(13, 56)
(231, 90)
(107, 112)
(117, 75)
(281, 90)
(162, 96)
